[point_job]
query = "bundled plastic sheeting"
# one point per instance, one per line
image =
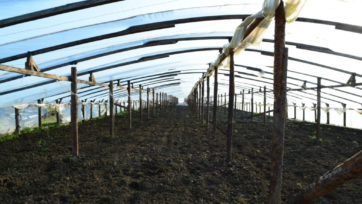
(239, 42)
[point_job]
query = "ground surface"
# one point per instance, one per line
(170, 159)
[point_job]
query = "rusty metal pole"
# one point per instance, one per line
(295, 110)
(74, 112)
(344, 115)
(215, 101)
(207, 100)
(280, 97)
(303, 105)
(40, 101)
(17, 121)
(327, 113)
(264, 105)
(148, 103)
(99, 109)
(140, 107)
(230, 107)
(129, 105)
(111, 106)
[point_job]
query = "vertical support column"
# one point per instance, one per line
(202, 100)
(315, 112)
(252, 103)
(295, 110)
(82, 109)
(318, 126)
(57, 114)
(242, 101)
(91, 110)
(156, 101)
(280, 97)
(129, 105)
(200, 97)
(148, 103)
(207, 100)
(106, 106)
(264, 105)
(231, 106)
(40, 101)
(111, 106)
(74, 112)
(140, 107)
(235, 100)
(99, 109)
(215, 101)
(327, 113)
(153, 102)
(225, 103)
(17, 121)
(303, 105)
(344, 115)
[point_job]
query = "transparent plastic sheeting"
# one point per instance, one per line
(14, 45)
(31, 95)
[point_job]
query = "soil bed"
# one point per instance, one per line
(169, 159)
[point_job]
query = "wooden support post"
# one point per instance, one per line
(348, 170)
(111, 106)
(242, 101)
(215, 101)
(200, 96)
(279, 114)
(252, 104)
(207, 100)
(91, 110)
(140, 107)
(225, 104)
(295, 110)
(148, 103)
(230, 107)
(327, 113)
(129, 105)
(264, 105)
(202, 100)
(153, 102)
(315, 112)
(57, 114)
(235, 100)
(74, 112)
(303, 105)
(83, 112)
(106, 106)
(156, 101)
(344, 115)
(17, 121)
(40, 101)
(318, 130)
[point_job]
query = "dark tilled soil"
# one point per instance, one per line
(170, 159)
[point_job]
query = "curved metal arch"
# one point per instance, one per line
(144, 59)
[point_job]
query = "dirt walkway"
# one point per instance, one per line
(170, 159)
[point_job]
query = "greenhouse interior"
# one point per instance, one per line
(170, 101)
